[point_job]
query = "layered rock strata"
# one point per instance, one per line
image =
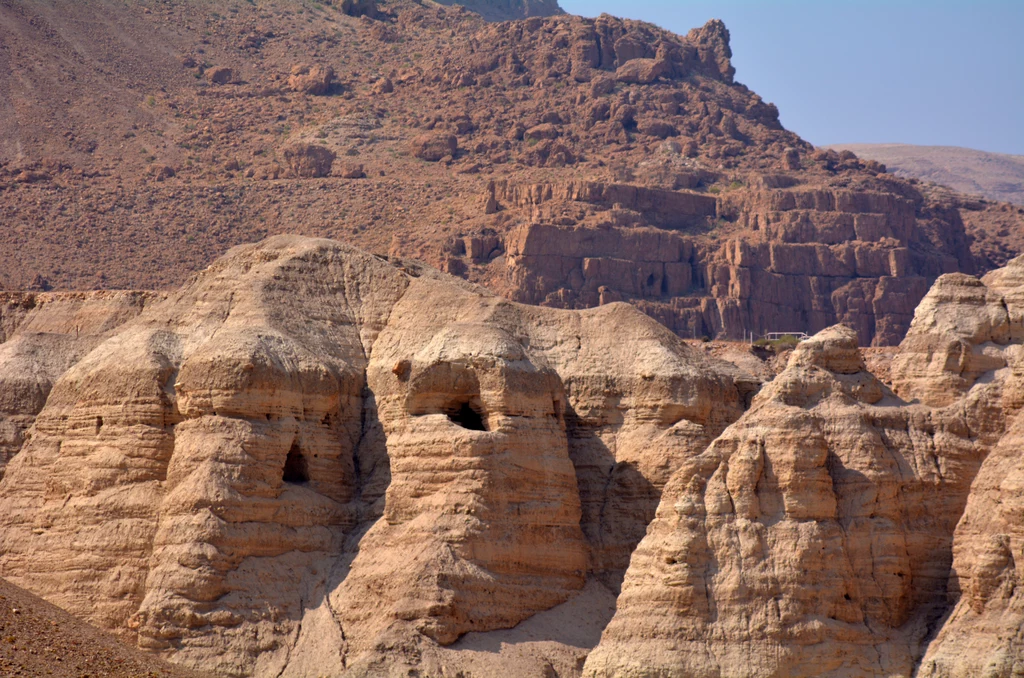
(42, 336)
(817, 257)
(311, 459)
(819, 534)
(309, 456)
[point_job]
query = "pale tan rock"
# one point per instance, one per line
(959, 333)
(44, 335)
(812, 538)
(281, 466)
(981, 637)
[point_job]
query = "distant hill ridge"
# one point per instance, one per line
(997, 176)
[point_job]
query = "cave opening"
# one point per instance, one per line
(466, 416)
(296, 470)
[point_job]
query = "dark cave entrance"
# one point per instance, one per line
(296, 470)
(467, 416)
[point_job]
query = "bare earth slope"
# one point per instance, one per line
(42, 640)
(557, 160)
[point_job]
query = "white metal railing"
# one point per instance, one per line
(775, 336)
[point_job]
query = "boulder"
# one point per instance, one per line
(357, 7)
(434, 146)
(543, 131)
(315, 80)
(309, 161)
(352, 171)
(220, 75)
(654, 127)
(641, 71)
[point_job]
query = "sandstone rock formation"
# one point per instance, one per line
(815, 536)
(434, 147)
(357, 7)
(42, 336)
(312, 457)
(507, 10)
(309, 161)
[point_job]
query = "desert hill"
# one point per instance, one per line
(996, 176)
(311, 460)
(557, 160)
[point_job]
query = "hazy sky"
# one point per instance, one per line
(933, 72)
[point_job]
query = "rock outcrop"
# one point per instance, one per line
(42, 336)
(309, 161)
(312, 457)
(592, 130)
(815, 536)
(313, 79)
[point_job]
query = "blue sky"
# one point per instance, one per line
(932, 72)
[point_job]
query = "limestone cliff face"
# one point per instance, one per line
(314, 460)
(818, 256)
(981, 636)
(815, 536)
(311, 457)
(43, 335)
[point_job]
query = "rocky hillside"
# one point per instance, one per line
(996, 182)
(508, 10)
(559, 161)
(313, 460)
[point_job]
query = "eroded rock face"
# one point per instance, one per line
(44, 335)
(508, 10)
(822, 256)
(960, 332)
(313, 457)
(815, 536)
(314, 460)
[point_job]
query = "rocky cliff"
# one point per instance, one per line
(507, 10)
(41, 337)
(313, 459)
(310, 456)
(828, 531)
(556, 160)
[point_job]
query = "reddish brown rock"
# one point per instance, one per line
(434, 147)
(315, 80)
(641, 71)
(309, 161)
(220, 75)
